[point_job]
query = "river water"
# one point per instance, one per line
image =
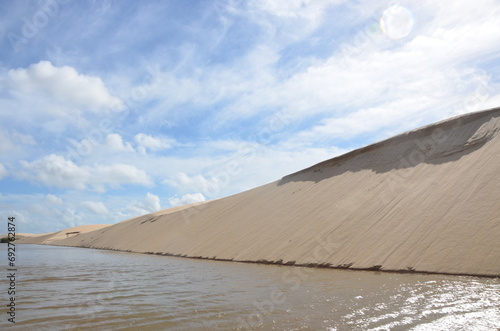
(62, 288)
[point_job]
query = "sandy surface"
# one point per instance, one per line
(50, 238)
(426, 200)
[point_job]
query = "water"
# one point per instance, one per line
(60, 288)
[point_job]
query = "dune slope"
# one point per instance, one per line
(49, 238)
(427, 200)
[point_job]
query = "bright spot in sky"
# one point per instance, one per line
(396, 22)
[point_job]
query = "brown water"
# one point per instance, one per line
(61, 288)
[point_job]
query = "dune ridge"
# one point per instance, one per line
(427, 200)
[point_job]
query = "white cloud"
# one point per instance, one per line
(115, 143)
(64, 87)
(71, 218)
(95, 207)
(117, 174)
(52, 199)
(493, 101)
(3, 172)
(196, 183)
(186, 199)
(56, 171)
(12, 139)
(152, 202)
(149, 204)
(13, 143)
(100, 146)
(152, 143)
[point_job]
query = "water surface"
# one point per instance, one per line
(62, 288)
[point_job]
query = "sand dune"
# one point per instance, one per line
(427, 200)
(50, 238)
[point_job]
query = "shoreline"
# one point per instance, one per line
(276, 263)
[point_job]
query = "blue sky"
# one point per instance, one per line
(113, 109)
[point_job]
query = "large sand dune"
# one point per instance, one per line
(427, 200)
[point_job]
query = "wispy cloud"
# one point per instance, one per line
(3, 171)
(95, 207)
(147, 142)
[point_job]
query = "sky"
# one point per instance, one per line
(114, 109)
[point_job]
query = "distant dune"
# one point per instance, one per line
(427, 200)
(50, 238)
